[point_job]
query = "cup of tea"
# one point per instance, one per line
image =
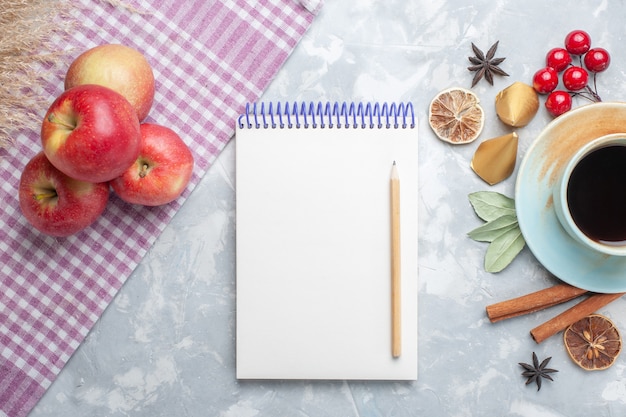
(590, 196)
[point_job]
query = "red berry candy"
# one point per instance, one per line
(575, 78)
(597, 59)
(558, 102)
(577, 42)
(558, 58)
(545, 80)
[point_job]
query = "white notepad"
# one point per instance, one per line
(314, 241)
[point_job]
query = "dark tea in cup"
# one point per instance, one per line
(590, 195)
(596, 194)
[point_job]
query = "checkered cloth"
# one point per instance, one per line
(209, 59)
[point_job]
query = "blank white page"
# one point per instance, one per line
(313, 252)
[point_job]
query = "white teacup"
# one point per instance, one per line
(593, 218)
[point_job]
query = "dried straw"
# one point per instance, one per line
(126, 6)
(27, 56)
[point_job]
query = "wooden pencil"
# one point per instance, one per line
(396, 337)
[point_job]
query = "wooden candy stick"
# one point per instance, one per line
(572, 315)
(532, 302)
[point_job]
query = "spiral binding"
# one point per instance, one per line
(328, 115)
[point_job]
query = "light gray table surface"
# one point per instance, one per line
(166, 345)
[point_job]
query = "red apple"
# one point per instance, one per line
(119, 67)
(91, 133)
(56, 204)
(160, 173)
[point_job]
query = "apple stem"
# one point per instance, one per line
(52, 118)
(45, 196)
(144, 171)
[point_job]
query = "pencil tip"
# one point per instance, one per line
(394, 162)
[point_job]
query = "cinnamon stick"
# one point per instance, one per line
(572, 315)
(532, 302)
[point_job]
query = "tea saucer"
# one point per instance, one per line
(553, 247)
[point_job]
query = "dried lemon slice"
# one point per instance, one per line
(455, 116)
(593, 342)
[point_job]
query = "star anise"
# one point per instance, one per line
(537, 371)
(485, 65)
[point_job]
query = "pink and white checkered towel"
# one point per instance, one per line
(209, 58)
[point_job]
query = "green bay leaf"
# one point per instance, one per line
(503, 249)
(491, 230)
(489, 205)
